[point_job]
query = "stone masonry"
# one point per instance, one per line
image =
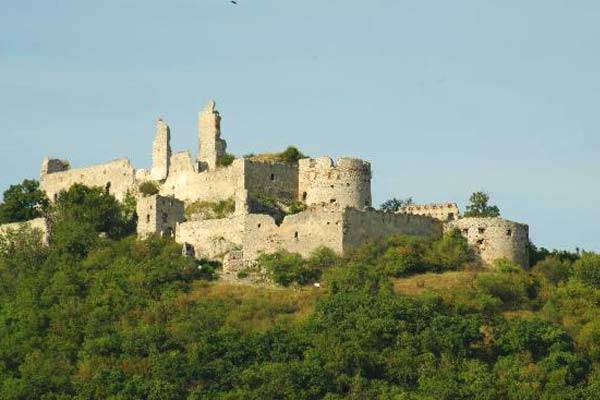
(337, 197)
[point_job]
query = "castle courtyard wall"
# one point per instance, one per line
(117, 176)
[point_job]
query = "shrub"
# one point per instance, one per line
(286, 268)
(448, 253)
(506, 266)
(554, 269)
(587, 269)
(296, 207)
(149, 188)
(225, 160)
(291, 155)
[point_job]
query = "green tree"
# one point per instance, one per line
(587, 269)
(479, 206)
(23, 202)
(394, 205)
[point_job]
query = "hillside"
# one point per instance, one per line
(100, 314)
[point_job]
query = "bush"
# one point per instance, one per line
(506, 266)
(225, 160)
(587, 269)
(450, 252)
(554, 269)
(149, 188)
(286, 268)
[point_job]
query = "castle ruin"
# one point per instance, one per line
(335, 197)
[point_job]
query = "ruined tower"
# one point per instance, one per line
(211, 145)
(161, 151)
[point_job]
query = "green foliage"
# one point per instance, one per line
(94, 209)
(403, 255)
(295, 207)
(286, 268)
(225, 160)
(23, 202)
(89, 317)
(394, 205)
(554, 269)
(506, 266)
(291, 155)
(478, 206)
(149, 188)
(587, 269)
(211, 209)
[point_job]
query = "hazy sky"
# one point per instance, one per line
(443, 97)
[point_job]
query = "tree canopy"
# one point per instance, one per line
(479, 207)
(23, 202)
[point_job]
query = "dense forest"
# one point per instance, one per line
(98, 314)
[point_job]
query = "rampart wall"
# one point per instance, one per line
(361, 225)
(118, 177)
(494, 238)
(159, 215)
(347, 183)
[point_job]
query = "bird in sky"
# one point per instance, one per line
(233, 2)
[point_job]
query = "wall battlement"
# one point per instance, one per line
(441, 211)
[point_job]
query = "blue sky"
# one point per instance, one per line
(444, 98)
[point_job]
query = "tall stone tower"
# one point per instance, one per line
(211, 145)
(161, 151)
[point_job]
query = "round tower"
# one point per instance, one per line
(346, 183)
(495, 238)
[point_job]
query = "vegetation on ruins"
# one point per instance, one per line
(225, 160)
(149, 188)
(290, 155)
(394, 204)
(23, 202)
(211, 209)
(478, 206)
(96, 316)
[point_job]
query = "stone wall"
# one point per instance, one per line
(494, 238)
(40, 224)
(346, 183)
(325, 225)
(443, 211)
(276, 179)
(186, 183)
(117, 176)
(158, 215)
(361, 225)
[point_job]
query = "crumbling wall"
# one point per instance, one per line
(161, 151)
(212, 238)
(299, 233)
(158, 215)
(494, 238)
(443, 211)
(361, 225)
(117, 177)
(41, 224)
(346, 183)
(209, 130)
(185, 183)
(276, 179)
